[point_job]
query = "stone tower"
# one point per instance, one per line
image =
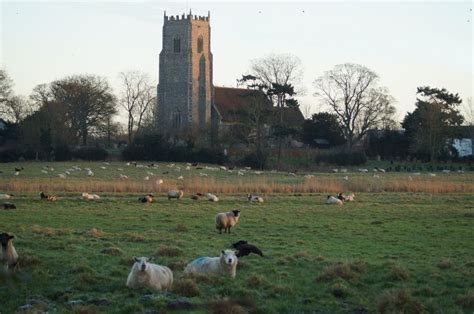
(185, 89)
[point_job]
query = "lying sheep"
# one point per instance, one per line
(178, 194)
(6, 196)
(349, 197)
(227, 220)
(212, 198)
(148, 275)
(50, 198)
(8, 255)
(146, 199)
(254, 198)
(244, 248)
(223, 265)
(8, 206)
(196, 196)
(88, 196)
(333, 200)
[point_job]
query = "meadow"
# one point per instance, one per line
(398, 251)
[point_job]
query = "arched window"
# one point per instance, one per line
(200, 43)
(177, 45)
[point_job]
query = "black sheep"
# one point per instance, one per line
(8, 206)
(244, 249)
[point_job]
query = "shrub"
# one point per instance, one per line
(10, 155)
(342, 159)
(62, 152)
(257, 159)
(91, 153)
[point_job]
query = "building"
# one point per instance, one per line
(187, 98)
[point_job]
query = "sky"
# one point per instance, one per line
(407, 43)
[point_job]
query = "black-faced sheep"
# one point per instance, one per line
(8, 255)
(227, 220)
(223, 265)
(50, 198)
(8, 206)
(333, 200)
(178, 194)
(148, 275)
(146, 199)
(244, 248)
(254, 198)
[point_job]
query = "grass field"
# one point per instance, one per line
(385, 252)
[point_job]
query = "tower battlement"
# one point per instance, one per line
(187, 17)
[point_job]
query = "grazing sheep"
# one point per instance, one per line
(5, 196)
(159, 181)
(88, 196)
(244, 248)
(8, 256)
(50, 198)
(148, 275)
(180, 178)
(90, 173)
(19, 169)
(223, 265)
(17, 173)
(333, 200)
(146, 199)
(8, 206)
(123, 177)
(349, 198)
(212, 198)
(254, 198)
(178, 194)
(62, 176)
(227, 220)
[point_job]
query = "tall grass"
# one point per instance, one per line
(236, 186)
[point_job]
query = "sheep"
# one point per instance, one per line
(5, 196)
(90, 173)
(244, 248)
(148, 275)
(159, 181)
(212, 198)
(223, 265)
(50, 198)
(146, 199)
(227, 220)
(333, 200)
(44, 171)
(196, 196)
(19, 169)
(62, 176)
(180, 178)
(147, 178)
(254, 198)
(8, 206)
(88, 196)
(8, 256)
(123, 177)
(349, 198)
(178, 194)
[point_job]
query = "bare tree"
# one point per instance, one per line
(468, 112)
(351, 92)
(5, 87)
(137, 99)
(17, 108)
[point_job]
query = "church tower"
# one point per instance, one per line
(185, 89)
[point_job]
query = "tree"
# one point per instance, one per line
(137, 99)
(323, 125)
(351, 92)
(468, 112)
(5, 88)
(428, 127)
(17, 108)
(88, 100)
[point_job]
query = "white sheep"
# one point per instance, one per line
(148, 275)
(254, 198)
(333, 200)
(88, 196)
(223, 265)
(8, 254)
(178, 194)
(90, 173)
(123, 177)
(212, 198)
(5, 196)
(62, 176)
(348, 198)
(159, 182)
(227, 220)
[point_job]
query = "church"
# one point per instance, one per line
(187, 97)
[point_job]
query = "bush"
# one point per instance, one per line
(90, 153)
(62, 152)
(257, 159)
(342, 159)
(10, 155)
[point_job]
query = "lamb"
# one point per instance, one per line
(333, 200)
(50, 198)
(244, 248)
(146, 199)
(227, 220)
(212, 198)
(254, 198)
(148, 275)
(5, 196)
(223, 265)
(178, 194)
(88, 196)
(8, 256)
(8, 206)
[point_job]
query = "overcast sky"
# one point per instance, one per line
(408, 44)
